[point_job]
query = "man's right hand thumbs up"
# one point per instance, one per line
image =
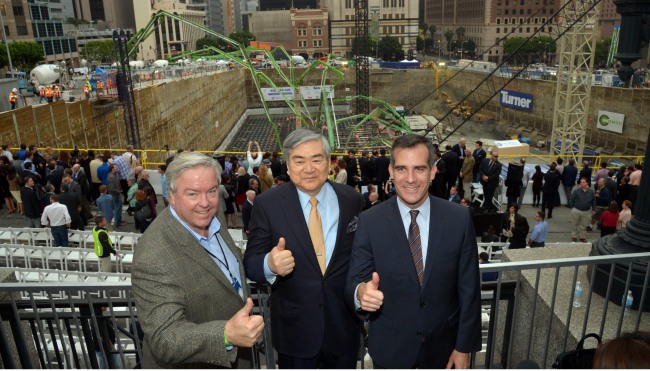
(242, 329)
(369, 295)
(280, 260)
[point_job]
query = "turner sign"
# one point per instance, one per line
(515, 99)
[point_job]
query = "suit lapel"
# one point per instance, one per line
(345, 214)
(436, 227)
(395, 224)
(298, 226)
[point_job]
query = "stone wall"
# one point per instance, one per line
(196, 112)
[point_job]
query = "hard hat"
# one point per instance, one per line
(14, 90)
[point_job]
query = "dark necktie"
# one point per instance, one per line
(416, 245)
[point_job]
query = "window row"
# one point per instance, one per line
(315, 43)
(523, 20)
(52, 47)
(41, 29)
(514, 29)
(316, 31)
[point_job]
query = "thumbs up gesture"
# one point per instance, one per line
(280, 260)
(370, 296)
(242, 329)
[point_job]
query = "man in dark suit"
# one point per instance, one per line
(453, 195)
(552, 181)
(451, 160)
(193, 301)
(352, 168)
(437, 187)
(479, 155)
(420, 251)
(459, 149)
(490, 172)
(381, 170)
(247, 210)
(73, 202)
(569, 179)
(303, 249)
(373, 200)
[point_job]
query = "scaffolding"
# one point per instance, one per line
(574, 78)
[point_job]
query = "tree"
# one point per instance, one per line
(390, 48)
(98, 51)
(24, 55)
(243, 37)
(602, 51)
(204, 42)
(460, 33)
(424, 27)
(372, 47)
(432, 31)
(449, 34)
(76, 22)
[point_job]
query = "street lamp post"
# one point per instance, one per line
(439, 50)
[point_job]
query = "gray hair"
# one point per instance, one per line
(250, 192)
(186, 161)
(300, 136)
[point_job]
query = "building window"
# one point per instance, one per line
(498, 29)
(505, 21)
(317, 31)
(302, 43)
(498, 20)
(527, 29)
(317, 43)
(7, 31)
(348, 4)
(506, 13)
(521, 21)
(21, 30)
(18, 11)
(385, 3)
(302, 32)
(401, 5)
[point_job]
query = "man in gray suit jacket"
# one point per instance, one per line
(188, 279)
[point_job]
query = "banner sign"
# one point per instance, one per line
(610, 121)
(306, 92)
(517, 100)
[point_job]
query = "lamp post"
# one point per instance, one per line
(439, 50)
(461, 49)
(4, 37)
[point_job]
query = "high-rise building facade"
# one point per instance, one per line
(288, 4)
(48, 32)
(17, 20)
(608, 18)
(106, 14)
(171, 36)
(488, 23)
(398, 18)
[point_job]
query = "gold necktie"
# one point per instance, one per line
(316, 234)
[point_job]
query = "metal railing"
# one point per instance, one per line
(528, 313)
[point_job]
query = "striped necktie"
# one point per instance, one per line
(416, 245)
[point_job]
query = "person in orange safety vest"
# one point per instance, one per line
(13, 98)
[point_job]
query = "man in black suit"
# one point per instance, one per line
(276, 165)
(303, 249)
(459, 149)
(73, 202)
(569, 179)
(479, 155)
(373, 200)
(381, 170)
(352, 168)
(421, 252)
(437, 187)
(246, 211)
(552, 181)
(451, 160)
(490, 171)
(364, 166)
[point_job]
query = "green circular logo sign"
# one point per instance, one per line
(604, 120)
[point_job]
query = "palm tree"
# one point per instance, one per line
(432, 31)
(460, 33)
(449, 34)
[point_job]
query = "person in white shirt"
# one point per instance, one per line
(56, 216)
(130, 158)
(255, 158)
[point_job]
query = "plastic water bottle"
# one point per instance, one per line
(629, 299)
(577, 298)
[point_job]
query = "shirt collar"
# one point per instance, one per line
(214, 228)
(321, 196)
(424, 209)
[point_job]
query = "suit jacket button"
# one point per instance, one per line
(423, 304)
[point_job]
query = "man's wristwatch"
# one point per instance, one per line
(229, 346)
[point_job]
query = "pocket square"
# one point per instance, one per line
(352, 227)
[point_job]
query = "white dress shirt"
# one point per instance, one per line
(55, 215)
